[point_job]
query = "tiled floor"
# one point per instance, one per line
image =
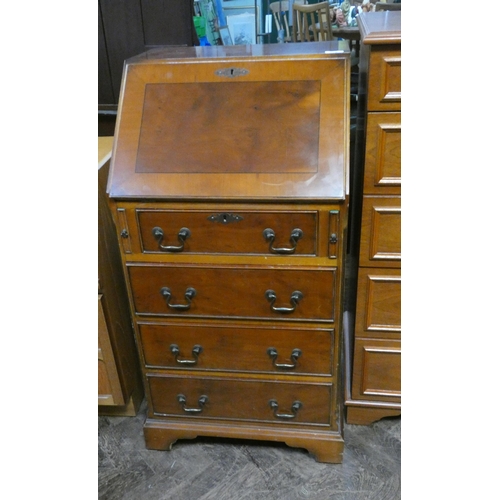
(221, 469)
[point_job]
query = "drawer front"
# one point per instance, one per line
(377, 370)
(240, 400)
(257, 292)
(381, 232)
(237, 348)
(384, 80)
(383, 154)
(378, 310)
(239, 232)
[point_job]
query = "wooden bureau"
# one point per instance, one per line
(374, 388)
(228, 189)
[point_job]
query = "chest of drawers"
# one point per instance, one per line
(375, 390)
(228, 189)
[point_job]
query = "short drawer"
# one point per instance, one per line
(383, 154)
(237, 399)
(246, 292)
(378, 309)
(237, 348)
(380, 244)
(235, 232)
(384, 80)
(377, 370)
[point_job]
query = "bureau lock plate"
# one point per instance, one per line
(225, 218)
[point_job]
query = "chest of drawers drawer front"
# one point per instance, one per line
(377, 370)
(383, 154)
(379, 303)
(245, 400)
(381, 232)
(232, 232)
(237, 348)
(217, 291)
(384, 84)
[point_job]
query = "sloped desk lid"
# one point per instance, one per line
(241, 122)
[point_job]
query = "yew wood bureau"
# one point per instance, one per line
(375, 389)
(228, 189)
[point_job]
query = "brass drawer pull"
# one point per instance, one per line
(182, 236)
(189, 294)
(197, 349)
(294, 300)
(273, 353)
(201, 402)
(295, 236)
(295, 408)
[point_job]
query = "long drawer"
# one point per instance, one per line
(238, 232)
(245, 400)
(233, 291)
(237, 347)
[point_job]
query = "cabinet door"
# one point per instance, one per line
(381, 232)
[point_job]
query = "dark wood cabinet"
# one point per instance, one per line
(129, 27)
(229, 192)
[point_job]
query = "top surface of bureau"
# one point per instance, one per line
(251, 122)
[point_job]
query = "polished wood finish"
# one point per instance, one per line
(242, 348)
(383, 153)
(379, 299)
(306, 109)
(227, 143)
(384, 80)
(233, 291)
(377, 370)
(374, 349)
(381, 232)
(234, 231)
(241, 232)
(120, 387)
(369, 414)
(241, 400)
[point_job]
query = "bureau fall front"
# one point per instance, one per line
(228, 188)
